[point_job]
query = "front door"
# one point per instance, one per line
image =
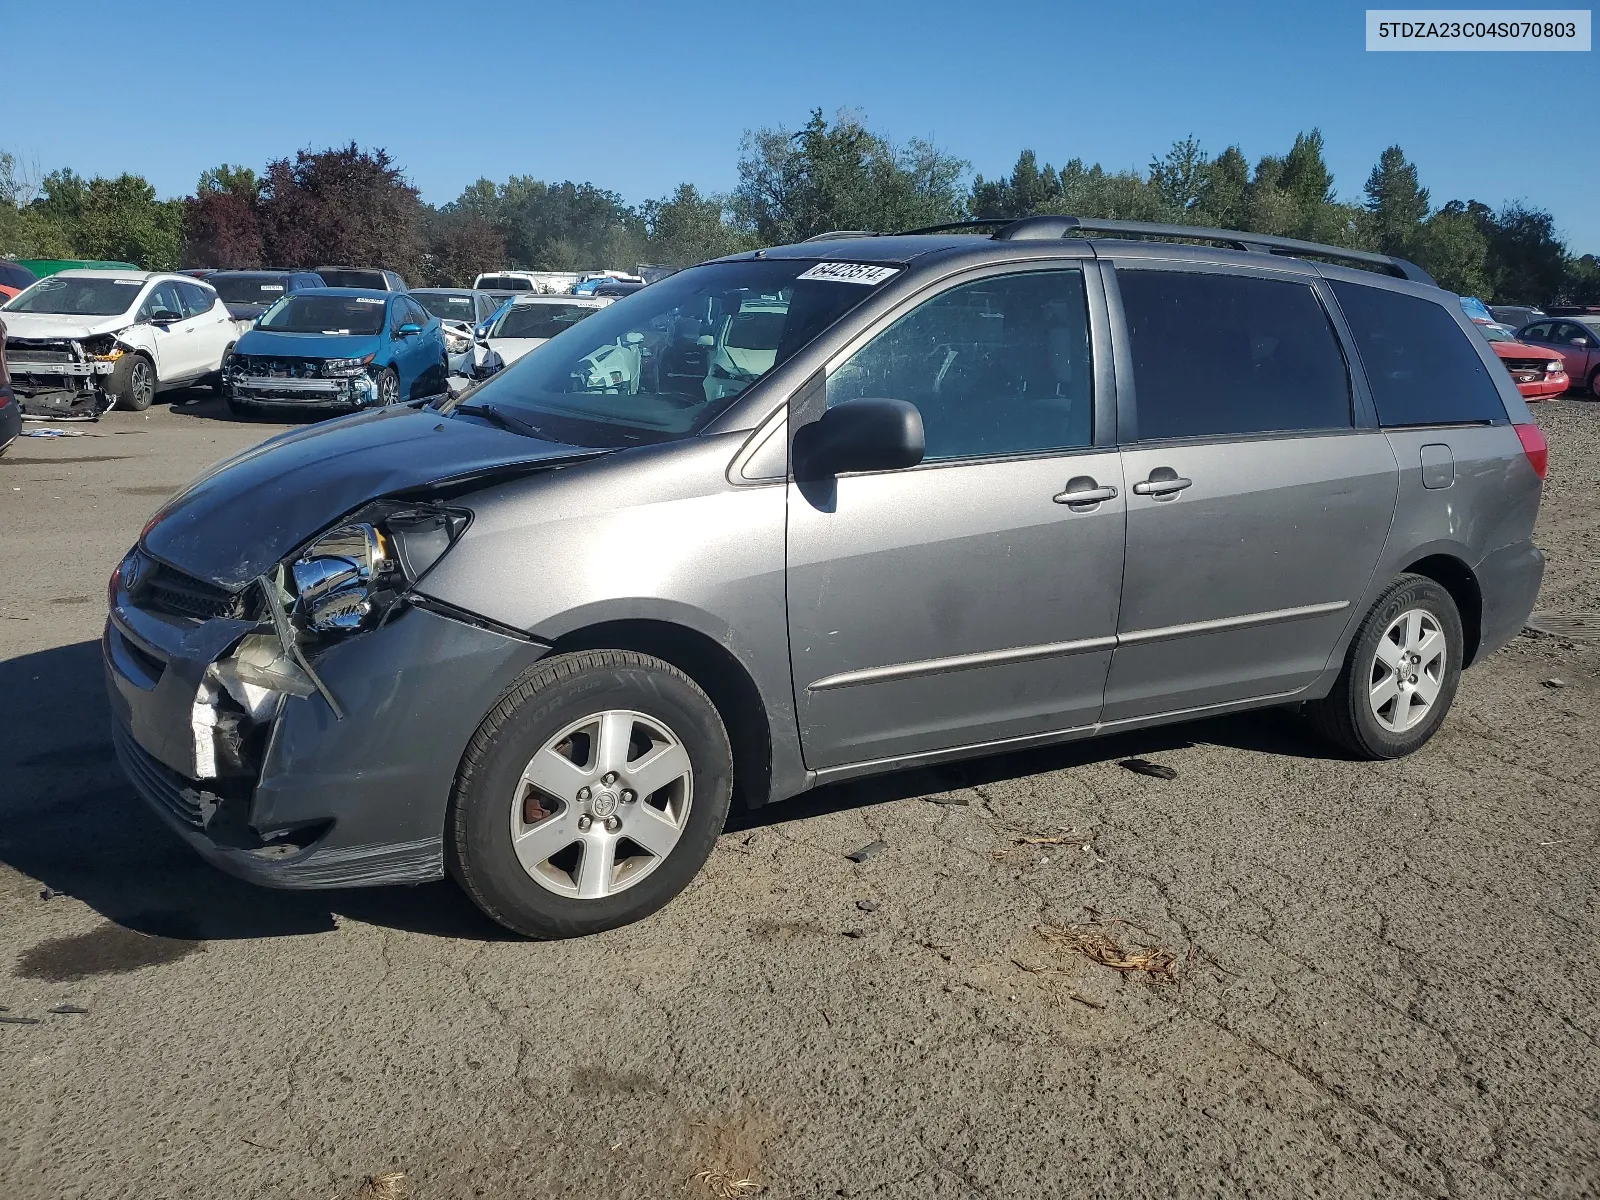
(970, 599)
(177, 349)
(1257, 508)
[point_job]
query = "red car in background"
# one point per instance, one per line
(13, 278)
(1576, 339)
(1540, 374)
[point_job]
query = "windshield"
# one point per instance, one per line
(302, 313)
(1495, 334)
(664, 362)
(447, 306)
(334, 277)
(539, 320)
(250, 289)
(504, 283)
(84, 297)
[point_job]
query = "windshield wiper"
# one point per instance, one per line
(504, 420)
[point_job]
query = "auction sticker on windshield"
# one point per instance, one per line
(367, 300)
(867, 273)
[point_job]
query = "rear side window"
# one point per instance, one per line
(1420, 366)
(1217, 354)
(998, 366)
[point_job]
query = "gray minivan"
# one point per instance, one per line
(812, 513)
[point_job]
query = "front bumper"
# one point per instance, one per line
(61, 389)
(350, 391)
(1547, 388)
(331, 803)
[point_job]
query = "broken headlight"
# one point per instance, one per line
(349, 577)
(347, 366)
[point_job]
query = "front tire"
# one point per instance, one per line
(590, 795)
(133, 383)
(388, 387)
(1400, 674)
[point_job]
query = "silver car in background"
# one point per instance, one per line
(818, 512)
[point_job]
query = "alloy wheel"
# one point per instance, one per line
(388, 388)
(143, 383)
(602, 804)
(1407, 670)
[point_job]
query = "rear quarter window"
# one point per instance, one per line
(1420, 366)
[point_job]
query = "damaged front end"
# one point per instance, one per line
(269, 725)
(63, 378)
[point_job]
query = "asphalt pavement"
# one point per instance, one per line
(1277, 974)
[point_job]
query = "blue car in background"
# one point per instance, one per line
(338, 348)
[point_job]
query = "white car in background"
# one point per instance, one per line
(81, 342)
(530, 321)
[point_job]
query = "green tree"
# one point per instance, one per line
(687, 228)
(841, 176)
(227, 179)
(1179, 178)
(1450, 246)
(1397, 201)
(1224, 191)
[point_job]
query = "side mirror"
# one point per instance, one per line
(870, 434)
(1578, 341)
(164, 316)
(408, 329)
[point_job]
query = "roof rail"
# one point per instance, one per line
(836, 234)
(948, 226)
(1031, 229)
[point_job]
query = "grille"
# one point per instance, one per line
(1525, 364)
(32, 353)
(172, 592)
(278, 368)
(157, 783)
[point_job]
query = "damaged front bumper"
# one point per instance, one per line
(285, 789)
(348, 391)
(59, 377)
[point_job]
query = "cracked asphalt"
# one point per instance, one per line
(1385, 975)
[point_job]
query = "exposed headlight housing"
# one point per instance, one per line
(1554, 367)
(347, 366)
(348, 578)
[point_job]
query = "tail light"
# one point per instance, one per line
(1535, 447)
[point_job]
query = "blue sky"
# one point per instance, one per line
(638, 96)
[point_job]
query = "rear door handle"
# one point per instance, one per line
(1164, 483)
(1083, 493)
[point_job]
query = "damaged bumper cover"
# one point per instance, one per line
(249, 383)
(278, 786)
(61, 377)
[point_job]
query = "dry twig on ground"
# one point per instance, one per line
(391, 1185)
(727, 1185)
(1099, 946)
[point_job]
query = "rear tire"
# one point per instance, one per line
(1594, 383)
(133, 383)
(530, 834)
(1400, 674)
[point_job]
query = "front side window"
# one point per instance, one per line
(1218, 355)
(78, 296)
(659, 364)
(1419, 364)
(163, 301)
(1536, 333)
(309, 313)
(998, 366)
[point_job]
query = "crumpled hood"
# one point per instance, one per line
(62, 325)
(249, 512)
(307, 345)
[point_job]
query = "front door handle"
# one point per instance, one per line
(1164, 483)
(1083, 493)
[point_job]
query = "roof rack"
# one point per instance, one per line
(833, 235)
(1034, 229)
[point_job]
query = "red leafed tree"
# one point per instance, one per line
(344, 206)
(221, 229)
